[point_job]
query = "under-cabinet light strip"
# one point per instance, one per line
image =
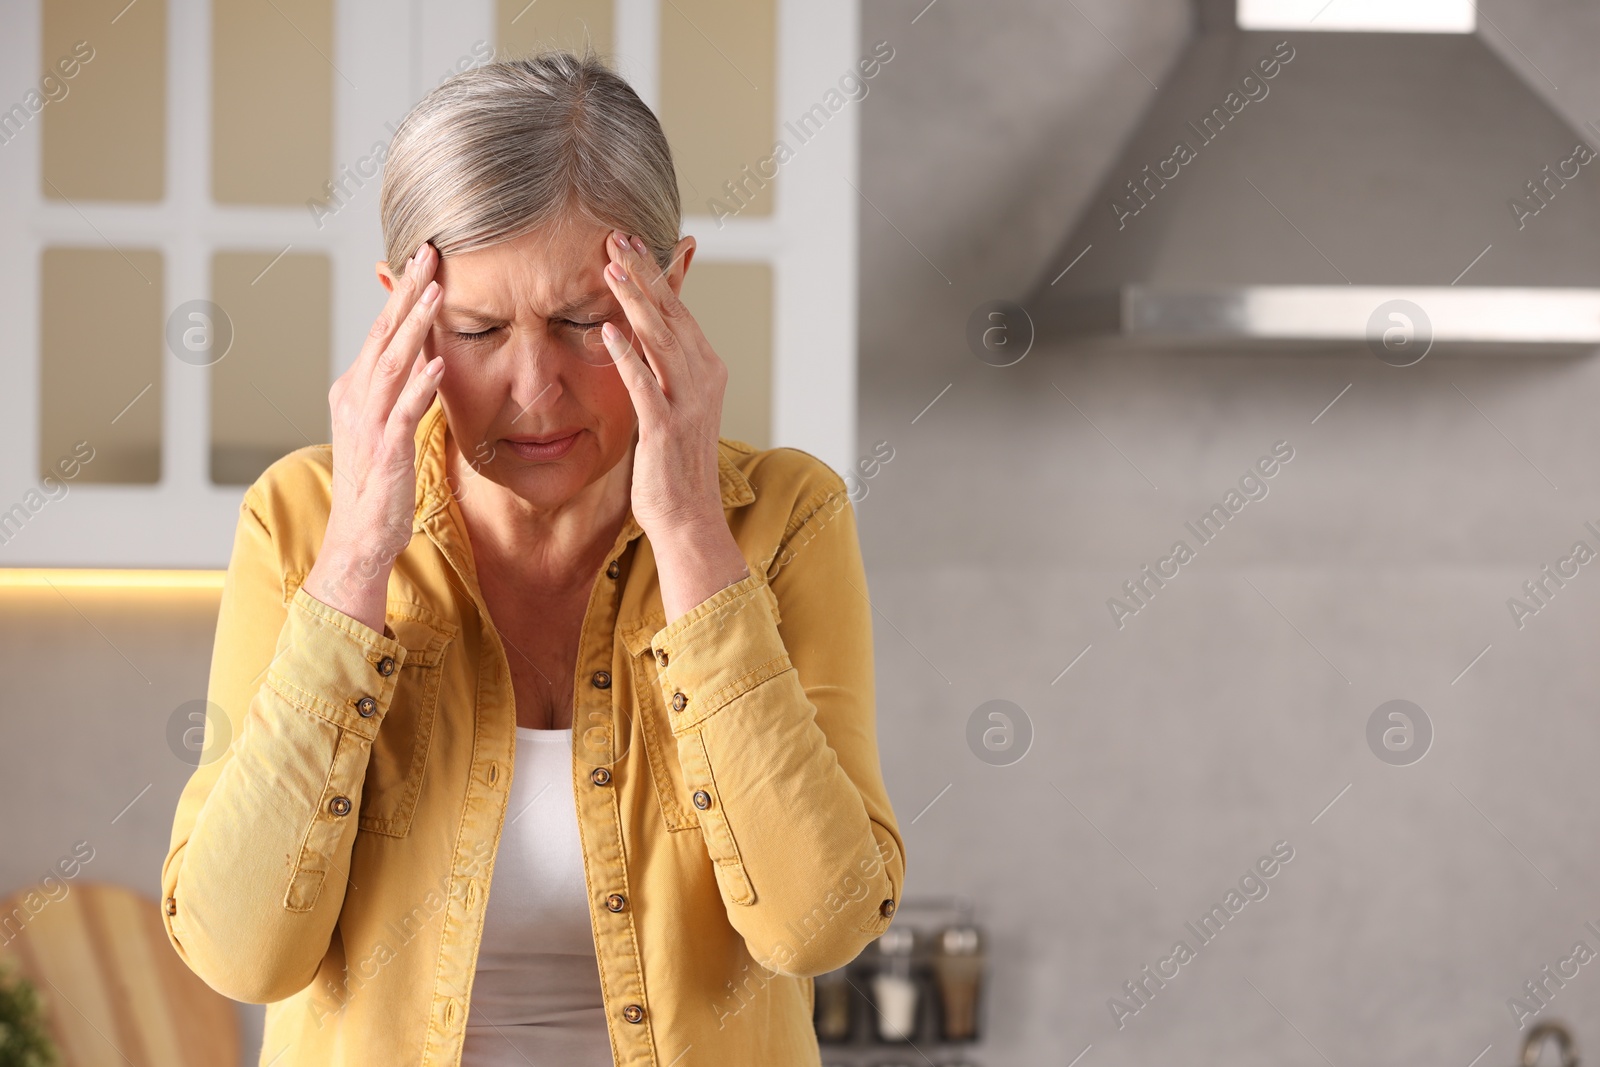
(108, 578)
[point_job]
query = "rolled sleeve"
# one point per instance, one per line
(329, 663)
(718, 651)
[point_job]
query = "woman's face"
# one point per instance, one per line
(518, 328)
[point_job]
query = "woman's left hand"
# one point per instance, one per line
(677, 384)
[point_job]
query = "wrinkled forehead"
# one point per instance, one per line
(549, 271)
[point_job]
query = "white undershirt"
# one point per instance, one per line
(536, 997)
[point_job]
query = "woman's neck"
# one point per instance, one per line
(552, 549)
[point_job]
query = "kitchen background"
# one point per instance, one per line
(1139, 773)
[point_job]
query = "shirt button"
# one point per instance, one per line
(614, 569)
(366, 707)
(661, 657)
(616, 902)
(172, 905)
(702, 799)
(601, 776)
(886, 909)
(679, 701)
(602, 680)
(633, 1013)
(386, 666)
(339, 805)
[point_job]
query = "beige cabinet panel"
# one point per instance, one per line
(104, 108)
(732, 302)
(272, 84)
(269, 393)
(718, 93)
(522, 27)
(100, 363)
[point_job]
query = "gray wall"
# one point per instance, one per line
(92, 680)
(1230, 712)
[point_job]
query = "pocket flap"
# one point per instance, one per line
(423, 633)
(399, 757)
(637, 634)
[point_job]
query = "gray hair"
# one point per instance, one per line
(502, 149)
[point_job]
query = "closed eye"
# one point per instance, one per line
(572, 324)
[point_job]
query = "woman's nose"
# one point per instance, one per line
(535, 374)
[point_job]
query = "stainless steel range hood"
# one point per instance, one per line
(1295, 209)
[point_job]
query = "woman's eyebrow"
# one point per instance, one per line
(473, 313)
(563, 311)
(579, 304)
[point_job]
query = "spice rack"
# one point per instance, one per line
(914, 996)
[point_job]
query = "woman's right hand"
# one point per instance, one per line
(377, 405)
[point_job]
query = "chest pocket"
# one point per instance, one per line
(655, 728)
(400, 752)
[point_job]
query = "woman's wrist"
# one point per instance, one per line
(695, 564)
(353, 582)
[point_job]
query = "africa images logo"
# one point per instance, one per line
(1252, 88)
(1141, 590)
(1252, 886)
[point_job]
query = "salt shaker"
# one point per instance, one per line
(894, 987)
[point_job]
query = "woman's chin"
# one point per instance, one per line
(549, 486)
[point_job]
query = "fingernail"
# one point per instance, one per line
(622, 241)
(431, 293)
(617, 272)
(435, 366)
(639, 246)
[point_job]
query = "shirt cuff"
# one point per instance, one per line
(333, 666)
(721, 649)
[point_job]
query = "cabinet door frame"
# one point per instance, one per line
(809, 240)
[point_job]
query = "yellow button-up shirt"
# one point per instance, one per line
(332, 853)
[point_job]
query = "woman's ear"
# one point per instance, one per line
(682, 253)
(385, 276)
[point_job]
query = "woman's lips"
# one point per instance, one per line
(553, 449)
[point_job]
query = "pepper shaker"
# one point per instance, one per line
(832, 1016)
(958, 974)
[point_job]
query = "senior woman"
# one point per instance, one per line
(550, 712)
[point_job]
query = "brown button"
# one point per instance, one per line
(602, 680)
(679, 701)
(702, 799)
(633, 1013)
(366, 707)
(172, 905)
(339, 805)
(600, 776)
(616, 902)
(386, 666)
(661, 657)
(886, 909)
(614, 569)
